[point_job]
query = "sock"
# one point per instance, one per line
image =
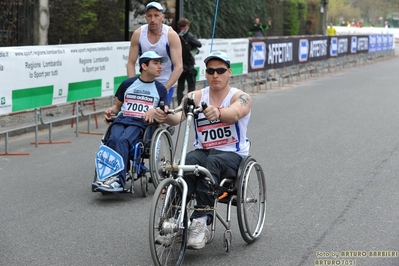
(203, 219)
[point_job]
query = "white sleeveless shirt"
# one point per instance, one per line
(218, 135)
(161, 47)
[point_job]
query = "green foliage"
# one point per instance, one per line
(83, 21)
(234, 18)
(302, 15)
(290, 13)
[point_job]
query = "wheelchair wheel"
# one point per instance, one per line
(94, 179)
(167, 240)
(144, 185)
(251, 200)
(160, 155)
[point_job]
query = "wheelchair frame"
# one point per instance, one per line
(169, 214)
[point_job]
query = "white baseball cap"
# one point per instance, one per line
(154, 5)
(151, 55)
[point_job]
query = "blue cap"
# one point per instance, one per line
(150, 55)
(154, 5)
(218, 55)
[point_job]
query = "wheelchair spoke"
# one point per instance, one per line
(167, 239)
(160, 155)
(252, 201)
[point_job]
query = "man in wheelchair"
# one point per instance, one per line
(134, 108)
(220, 138)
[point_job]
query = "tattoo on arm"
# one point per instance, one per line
(244, 99)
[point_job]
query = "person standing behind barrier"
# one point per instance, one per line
(156, 36)
(257, 28)
(129, 125)
(331, 31)
(228, 112)
(189, 49)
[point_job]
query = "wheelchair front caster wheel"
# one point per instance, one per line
(227, 240)
(144, 185)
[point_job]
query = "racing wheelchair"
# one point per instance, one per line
(171, 207)
(155, 146)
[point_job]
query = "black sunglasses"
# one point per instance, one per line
(220, 70)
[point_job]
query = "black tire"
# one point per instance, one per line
(94, 179)
(160, 154)
(163, 224)
(144, 186)
(251, 201)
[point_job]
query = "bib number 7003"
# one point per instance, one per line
(217, 133)
(137, 107)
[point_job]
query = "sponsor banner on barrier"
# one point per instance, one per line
(343, 45)
(381, 42)
(236, 49)
(270, 53)
(362, 44)
(318, 48)
(38, 76)
(280, 52)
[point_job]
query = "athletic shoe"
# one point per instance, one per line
(96, 184)
(198, 235)
(111, 184)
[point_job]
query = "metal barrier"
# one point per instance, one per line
(18, 121)
(91, 108)
(51, 114)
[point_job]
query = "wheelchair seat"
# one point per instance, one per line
(229, 182)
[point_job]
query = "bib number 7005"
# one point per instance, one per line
(217, 133)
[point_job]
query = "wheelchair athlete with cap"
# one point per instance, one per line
(220, 138)
(135, 103)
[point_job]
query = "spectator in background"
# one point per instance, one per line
(331, 31)
(343, 23)
(387, 25)
(190, 45)
(257, 28)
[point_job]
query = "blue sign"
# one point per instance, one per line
(372, 43)
(258, 55)
(354, 45)
(333, 46)
(303, 50)
(108, 162)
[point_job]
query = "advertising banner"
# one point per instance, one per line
(270, 53)
(38, 76)
(317, 49)
(381, 42)
(343, 47)
(236, 49)
(362, 44)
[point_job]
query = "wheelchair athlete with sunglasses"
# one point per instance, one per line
(220, 138)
